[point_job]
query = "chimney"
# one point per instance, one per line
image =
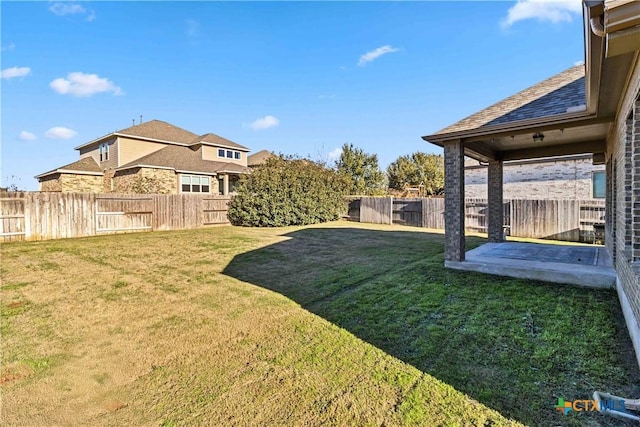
(133, 122)
(140, 118)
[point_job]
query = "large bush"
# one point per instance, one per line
(288, 192)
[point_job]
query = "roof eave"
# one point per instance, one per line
(518, 127)
(118, 134)
(70, 171)
(213, 144)
(141, 165)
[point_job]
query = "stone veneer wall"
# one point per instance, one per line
(72, 183)
(51, 183)
(108, 185)
(553, 179)
(161, 181)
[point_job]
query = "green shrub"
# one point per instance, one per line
(288, 192)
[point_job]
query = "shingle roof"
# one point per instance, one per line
(86, 164)
(259, 158)
(157, 129)
(550, 97)
(183, 158)
(212, 138)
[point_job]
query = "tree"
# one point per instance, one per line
(361, 170)
(288, 192)
(418, 169)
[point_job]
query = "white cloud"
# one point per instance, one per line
(81, 84)
(554, 11)
(63, 9)
(8, 48)
(27, 136)
(334, 155)
(264, 123)
(375, 54)
(193, 27)
(60, 132)
(10, 73)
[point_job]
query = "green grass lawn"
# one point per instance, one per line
(342, 323)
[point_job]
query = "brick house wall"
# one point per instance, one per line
(623, 206)
(560, 178)
(136, 180)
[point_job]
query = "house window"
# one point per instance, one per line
(237, 155)
(220, 152)
(598, 182)
(229, 154)
(104, 152)
(195, 184)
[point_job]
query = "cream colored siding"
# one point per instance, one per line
(211, 153)
(94, 151)
(132, 149)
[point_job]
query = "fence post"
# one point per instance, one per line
(390, 210)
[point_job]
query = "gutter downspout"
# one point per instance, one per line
(597, 25)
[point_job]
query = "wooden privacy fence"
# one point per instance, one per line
(570, 220)
(43, 216)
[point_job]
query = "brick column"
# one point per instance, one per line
(635, 186)
(454, 201)
(495, 208)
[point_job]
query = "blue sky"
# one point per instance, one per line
(292, 77)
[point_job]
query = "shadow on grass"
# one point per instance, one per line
(514, 345)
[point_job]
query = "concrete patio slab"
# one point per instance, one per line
(588, 266)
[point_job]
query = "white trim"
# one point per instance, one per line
(69, 171)
(180, 175)
(197, 173)
(118, 134)
(122, 168)
(211, 144)
(233, 172)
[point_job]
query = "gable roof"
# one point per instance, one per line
(259, 158)
(213, 139)
(560, 94)
(159, 130)
(184, 159)
(155, 130)
(84, 166)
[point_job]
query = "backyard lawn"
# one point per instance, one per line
(340, 324)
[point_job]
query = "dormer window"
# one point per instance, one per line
(229, 154)
(104, 152)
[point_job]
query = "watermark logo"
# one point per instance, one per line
(563, 406)
(589, 405)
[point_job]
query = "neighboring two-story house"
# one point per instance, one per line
(153, 157)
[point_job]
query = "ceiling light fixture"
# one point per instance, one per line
(538, 137)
